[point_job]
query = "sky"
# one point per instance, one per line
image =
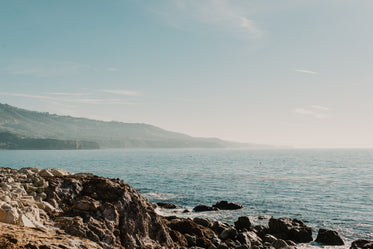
(290, 72)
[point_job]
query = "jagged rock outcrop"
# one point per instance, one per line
(290, 229)
(106, 211)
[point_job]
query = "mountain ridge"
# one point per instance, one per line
(108, 134)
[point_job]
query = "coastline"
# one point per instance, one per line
(108, 213)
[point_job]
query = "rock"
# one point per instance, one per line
(261, 230)
(45, 173)
(362, 244)
(167, 205)
(292, 229)
(279, 243)
(225, 205)
(244, 239)
(185, 226)
(212, 246)
(329, 237)
(218, 226)
(228, 233)
(222, 246)
(14, 236)
(254, 239)
(290, 243)
(203, 208)
(191, 239)
(269, 238)
(203, 222)
(60, 172)
(242, 223)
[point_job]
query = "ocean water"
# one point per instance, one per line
(324, 188)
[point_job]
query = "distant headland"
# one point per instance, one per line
(24, 129)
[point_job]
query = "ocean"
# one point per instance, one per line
(324, 188)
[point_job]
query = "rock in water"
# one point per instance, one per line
(203, 208)
(290, 229)
(329, 237)
(225, 205)
(167, 205)
(362, 244)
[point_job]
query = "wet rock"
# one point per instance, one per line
(167, 205)
(242, 223)
(362, 244)
(204, 208)
(225, 205)
(329, 237)
(292, 229)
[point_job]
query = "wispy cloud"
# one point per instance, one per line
(306, 71)
(69, 94)
(230, 16)
(71, 99)
(44, 68)
(319, 107)
(112, 69)
(123, 92)
(316, 111)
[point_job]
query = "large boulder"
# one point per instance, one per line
(203, 234)
(225, 205)
(362, 244)
(290, 229)
(329, 237)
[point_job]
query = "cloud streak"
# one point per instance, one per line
(223, 14)
(306, 71)
(123, 92)
(44, 68)
(316, 111)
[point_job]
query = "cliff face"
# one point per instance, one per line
(108, 213)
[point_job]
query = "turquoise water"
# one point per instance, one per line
(325, 188)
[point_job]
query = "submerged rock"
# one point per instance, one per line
(329, 237)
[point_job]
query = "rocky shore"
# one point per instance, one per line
(52, 208)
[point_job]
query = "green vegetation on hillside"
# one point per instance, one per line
(106, 134)
(11, 141)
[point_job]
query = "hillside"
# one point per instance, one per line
(11, 141)
(106, 134)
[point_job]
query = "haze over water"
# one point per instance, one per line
(325, 188)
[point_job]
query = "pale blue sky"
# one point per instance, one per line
(292, 72)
